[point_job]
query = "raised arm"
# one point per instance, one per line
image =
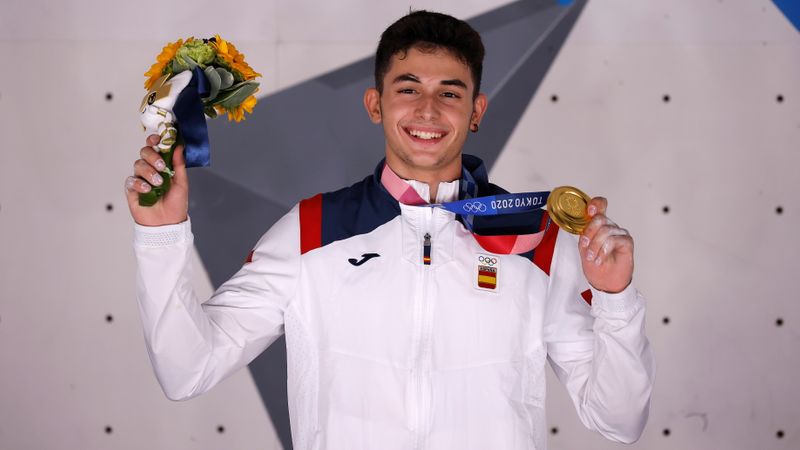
(194, 344)
(600, 351)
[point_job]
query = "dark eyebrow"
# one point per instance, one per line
(413, 78)
(406, 77)
(455, 82)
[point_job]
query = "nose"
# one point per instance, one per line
(427, 108)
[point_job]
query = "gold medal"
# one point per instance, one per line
(566, 205)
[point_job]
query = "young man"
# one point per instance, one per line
(402, 329)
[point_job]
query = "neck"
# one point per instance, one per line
(431, 177)
(431, 181)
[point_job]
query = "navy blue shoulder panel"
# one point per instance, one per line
(366, 205)
(357, 209)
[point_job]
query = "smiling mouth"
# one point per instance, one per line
(426, 136)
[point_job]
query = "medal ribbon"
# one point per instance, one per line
(493, 205)
(472, 205)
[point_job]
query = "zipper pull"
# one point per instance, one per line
(426, 250)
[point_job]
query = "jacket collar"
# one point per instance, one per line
(472, 170)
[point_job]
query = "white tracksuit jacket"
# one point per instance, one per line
(394, 354)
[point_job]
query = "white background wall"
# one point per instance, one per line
(721, 155)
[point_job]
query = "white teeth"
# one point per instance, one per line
(425, 134)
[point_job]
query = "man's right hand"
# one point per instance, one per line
(173, 207)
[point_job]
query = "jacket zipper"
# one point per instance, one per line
(419, 370)
(426, 250)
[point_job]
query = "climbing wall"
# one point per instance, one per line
(685, 114)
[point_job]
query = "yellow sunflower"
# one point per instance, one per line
(233, 58)
(237, 113)
(157, 69)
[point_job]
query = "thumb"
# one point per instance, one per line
(179, 166)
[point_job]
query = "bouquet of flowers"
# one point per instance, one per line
(192, 80)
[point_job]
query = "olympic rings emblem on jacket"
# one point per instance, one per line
(488, 260)
(474, 207)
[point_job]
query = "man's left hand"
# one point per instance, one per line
(606, 250)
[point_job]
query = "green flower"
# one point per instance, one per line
(195, 51)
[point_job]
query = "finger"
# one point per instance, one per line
(135, 185)
(613, 247)
(153, 158)
(133, 188)
(597, 221)
(618, 240)
(179, 165)
(597, 205)
(602, 245)
(130, 192)
(147, 172)
(153, 139)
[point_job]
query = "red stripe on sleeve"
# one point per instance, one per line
(311, 223)
(543, 255)
(587, 296)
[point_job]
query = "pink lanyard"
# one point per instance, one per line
(500, 244)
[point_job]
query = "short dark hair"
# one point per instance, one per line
(430, 31)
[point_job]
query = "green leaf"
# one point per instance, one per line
(215, 81)
(177, 67)
(233, 97)
(242, 83)
(210, 111)
(226, 76)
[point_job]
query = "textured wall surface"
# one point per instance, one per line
(685, 114)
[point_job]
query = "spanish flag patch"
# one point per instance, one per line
(487, 270)
(487, 278)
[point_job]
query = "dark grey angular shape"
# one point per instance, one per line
(316, 137)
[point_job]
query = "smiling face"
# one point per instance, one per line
(426, 109)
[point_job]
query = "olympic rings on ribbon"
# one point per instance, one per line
(487, 260)
(473, 207)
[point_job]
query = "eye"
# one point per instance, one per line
(449, 94)
(406, 91)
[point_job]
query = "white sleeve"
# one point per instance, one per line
(194, 345)
(599, 352)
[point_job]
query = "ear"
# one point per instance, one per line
(479, 108)
(372, 103)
